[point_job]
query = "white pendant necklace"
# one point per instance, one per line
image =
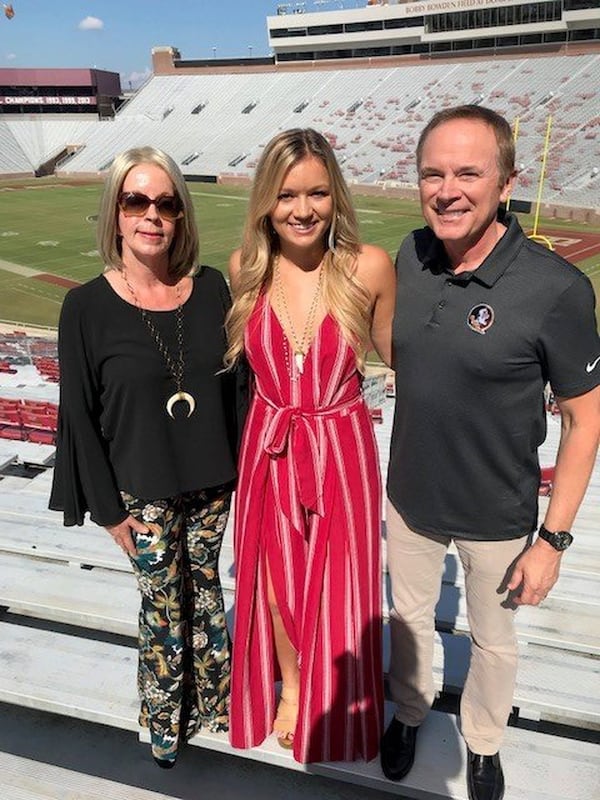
(300, 345)
(175, 368)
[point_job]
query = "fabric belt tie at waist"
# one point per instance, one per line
(306, 455)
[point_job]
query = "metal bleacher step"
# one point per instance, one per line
(107, 600)
(24, 779)
(568, 618)
(539, 762)
(59, 673)
(28, 530)
(25, 510)
(25, 452)
(99, 599)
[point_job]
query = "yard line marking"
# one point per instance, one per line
(579, 254)
(38, 274)
(219, 196)
(18, 269)
(37, 295)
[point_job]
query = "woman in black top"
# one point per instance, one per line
(148, 432)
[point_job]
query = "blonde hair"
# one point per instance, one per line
(345, 297)
(183, 255)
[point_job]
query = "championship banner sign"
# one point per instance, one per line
(47, 100)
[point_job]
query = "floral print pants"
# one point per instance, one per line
(184, 667)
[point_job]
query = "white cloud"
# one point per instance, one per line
(135, 79)
(91, 24)
(11, 56)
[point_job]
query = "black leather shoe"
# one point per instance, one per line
(164, 763)
(398, 750)
(485, 779)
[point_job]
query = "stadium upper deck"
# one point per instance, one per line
(428, 27)
(27, 91)
(370, 86)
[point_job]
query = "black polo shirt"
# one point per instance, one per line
(472, 354)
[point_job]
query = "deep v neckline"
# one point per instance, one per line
(284, 334)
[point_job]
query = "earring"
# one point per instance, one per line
(331, 236)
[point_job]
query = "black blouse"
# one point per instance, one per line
(114, 432)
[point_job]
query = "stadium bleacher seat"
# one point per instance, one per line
(546, 481)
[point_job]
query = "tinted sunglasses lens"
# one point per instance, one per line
(169, 207)
(136, 205)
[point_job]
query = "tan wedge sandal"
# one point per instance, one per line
(287, 716)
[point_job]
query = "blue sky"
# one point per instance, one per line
(118, 35)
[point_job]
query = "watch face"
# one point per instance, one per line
(559, 540)
(562, 540)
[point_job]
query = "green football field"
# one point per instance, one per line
(47, 226)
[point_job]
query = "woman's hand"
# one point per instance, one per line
(121, 533)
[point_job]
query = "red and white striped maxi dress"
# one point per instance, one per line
(308, 501)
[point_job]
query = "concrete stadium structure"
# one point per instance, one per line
(369, 78)
(428, 27)
(215, 123)
(44, 112)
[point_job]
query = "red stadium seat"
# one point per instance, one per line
(41, 437)
(9, 417)
(15, 434)
(546, 481)
(376, 414)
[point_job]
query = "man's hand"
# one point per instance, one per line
(121, 533)
(534, 574)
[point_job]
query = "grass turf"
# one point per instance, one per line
(49, 226)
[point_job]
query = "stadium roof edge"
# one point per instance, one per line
(40, 76)
(167, 60)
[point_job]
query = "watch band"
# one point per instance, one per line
(559, 540)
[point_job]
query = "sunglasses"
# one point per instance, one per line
(135, 204)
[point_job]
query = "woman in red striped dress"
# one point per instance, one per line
(309, 299)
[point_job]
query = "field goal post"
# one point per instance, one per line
(534, 235)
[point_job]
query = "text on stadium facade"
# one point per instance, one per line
(450, 5)
(47, 101)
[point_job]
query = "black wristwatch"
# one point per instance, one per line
(559, 540)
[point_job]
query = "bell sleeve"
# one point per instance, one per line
(83, 480)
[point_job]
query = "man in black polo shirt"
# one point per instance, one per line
(484, 319)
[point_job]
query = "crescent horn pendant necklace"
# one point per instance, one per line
(300, 345)
(176, 368)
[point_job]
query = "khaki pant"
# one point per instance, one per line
(415, 564)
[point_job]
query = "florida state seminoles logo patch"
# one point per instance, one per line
(480, 318)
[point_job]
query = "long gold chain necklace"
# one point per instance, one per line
(176, 368)
(300, 345)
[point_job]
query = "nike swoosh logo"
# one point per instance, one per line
(591, 365)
